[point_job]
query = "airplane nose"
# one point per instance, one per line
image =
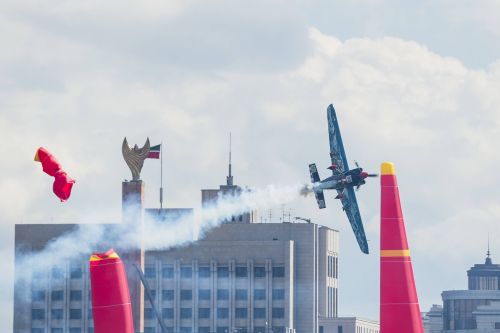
(364, 175)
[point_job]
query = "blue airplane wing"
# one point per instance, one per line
(337, 152)
(350, 206)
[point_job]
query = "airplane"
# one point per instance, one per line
(343, 180)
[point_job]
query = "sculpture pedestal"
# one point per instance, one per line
(132, 211)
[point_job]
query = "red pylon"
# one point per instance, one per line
(399, 308)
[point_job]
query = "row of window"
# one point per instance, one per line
(56, 295)
(75, 272)
(61, 330)
(201, 329)
(222, 272)
(222, 294)
(168, 313)
(185, 294)
(219, 329)
(39, 314)
(222, 313)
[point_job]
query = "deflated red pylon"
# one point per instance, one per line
(399, 309)
(62, 182)
(111, 306)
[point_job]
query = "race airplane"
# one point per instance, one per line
(343, 180)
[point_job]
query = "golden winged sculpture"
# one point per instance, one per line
(134, 157)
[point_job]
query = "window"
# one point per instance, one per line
(186, 272)
(222, 329)
(37, 314)
(148, 313)
(186, 294)
(204, 313)
(37, 295)
(259, 313)
(222, 313)
(37, 330)
(340, 329)
(167, 295)
(241, 272)
(222, 294)
(57, 295)
(167, 313)
(278, 272)
(203, 329)
(150, 272)
(149, 330)
(259, 330)
(222, 272)
(186, 330)
(75, 314)
(321, 329)
(56, 314)
(75, 330)
(278, 313)
(56, 330)
(204, 294)
(186, 313)
(281, 329)
(90, 330)
(75, 272)
(241, 294)
(278, 294)
(204, 272)
(241, 312)
(497, 326)
(153, 294)
(57, 273)
(75, 295)
(259, 294)
(259, 272)
(167, 273)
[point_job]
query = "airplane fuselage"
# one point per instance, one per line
(346, 179)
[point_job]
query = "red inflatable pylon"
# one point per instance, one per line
(399, 308)
(111, 307)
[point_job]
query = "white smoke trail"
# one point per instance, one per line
(157, 234)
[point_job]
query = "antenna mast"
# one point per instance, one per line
(161, 175)
(229, 178)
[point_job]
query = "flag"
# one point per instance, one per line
(154, 152)
(62, 182)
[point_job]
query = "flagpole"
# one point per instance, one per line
(161, 175)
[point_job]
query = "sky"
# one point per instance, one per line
(415, 83)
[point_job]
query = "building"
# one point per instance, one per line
(474, 310)
(274, 277)
(241, 277)
(348, 325)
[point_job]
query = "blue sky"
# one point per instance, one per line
(414, 83)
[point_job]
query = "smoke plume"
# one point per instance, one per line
(157, 233)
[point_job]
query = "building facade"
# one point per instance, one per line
(348, 325)
(474, 310)
(241, 277)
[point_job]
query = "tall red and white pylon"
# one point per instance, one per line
(399, 308)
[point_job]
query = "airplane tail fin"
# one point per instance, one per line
(399, 308)
(318, 193)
